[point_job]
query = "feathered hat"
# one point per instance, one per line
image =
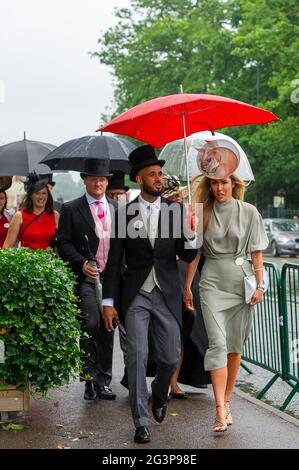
(35, 182)
(171, 185)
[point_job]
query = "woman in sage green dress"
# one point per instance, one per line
(233, 229)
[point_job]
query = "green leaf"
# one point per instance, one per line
(13, 427)
(41, 345)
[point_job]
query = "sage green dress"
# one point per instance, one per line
(234, 231)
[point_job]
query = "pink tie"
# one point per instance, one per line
(101, 212)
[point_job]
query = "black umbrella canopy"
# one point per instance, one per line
(71, 154)
(23, 156)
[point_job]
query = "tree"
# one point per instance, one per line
(267, 41)
(244, 49)
(66, 187)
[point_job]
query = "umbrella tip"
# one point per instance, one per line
(181, 88)
(24, 135)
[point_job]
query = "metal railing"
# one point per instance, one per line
(290, 291)
(274, 340)
(281, 212)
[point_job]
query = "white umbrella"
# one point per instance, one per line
(173, 154)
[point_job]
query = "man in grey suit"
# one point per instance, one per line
(149, 286)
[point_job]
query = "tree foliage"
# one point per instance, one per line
(243, 49)
(66, 187)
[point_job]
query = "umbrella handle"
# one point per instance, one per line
(191, 218)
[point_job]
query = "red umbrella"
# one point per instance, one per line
(159, 121)
(173, 117)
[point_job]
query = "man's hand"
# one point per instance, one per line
(191, 222)
(188, 298)
(89, 270)
(110, 318)
(194, 223)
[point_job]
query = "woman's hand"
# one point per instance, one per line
(188, 298)
(257, 297)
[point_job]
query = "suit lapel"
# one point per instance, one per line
(139, 221)
(143, 232)
(158, 234)
(84, 209)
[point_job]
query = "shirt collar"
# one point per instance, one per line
(145, 203)
(91, 199)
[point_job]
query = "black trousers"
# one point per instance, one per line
(97, 349)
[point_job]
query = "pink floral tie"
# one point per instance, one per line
(100, 210)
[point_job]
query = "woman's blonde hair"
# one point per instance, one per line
(202, 193)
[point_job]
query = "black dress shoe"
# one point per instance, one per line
(158, 408)
(178, 396)
(124, 380)
(105, 392)
(90, 391)
(142, 435)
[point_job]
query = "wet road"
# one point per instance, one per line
(67, 421)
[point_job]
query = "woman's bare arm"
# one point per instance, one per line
(13, 231)
(56, 218)
(258, 267)
(190, 273)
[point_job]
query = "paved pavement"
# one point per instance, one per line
(66, 420)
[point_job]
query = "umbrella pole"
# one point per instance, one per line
(186, 160)
(186, 152)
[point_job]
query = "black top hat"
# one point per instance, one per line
(95, 167)
(141, 158)
(50, 178)
(117, 181)
(35, 182)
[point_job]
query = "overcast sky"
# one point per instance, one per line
(49, 86)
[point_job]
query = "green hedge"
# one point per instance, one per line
(38, 305)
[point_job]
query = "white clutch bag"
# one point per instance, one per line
(250, 285)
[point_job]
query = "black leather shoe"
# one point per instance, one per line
(90, 391)
(178, 396)
(158, 408)
(105, 392)
(142, 435)
(124, 380)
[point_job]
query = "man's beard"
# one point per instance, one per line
(152, 192)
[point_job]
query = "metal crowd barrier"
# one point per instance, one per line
(290, 291)
(274, 340)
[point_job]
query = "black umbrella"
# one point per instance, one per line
(23, 157)
(71, 154)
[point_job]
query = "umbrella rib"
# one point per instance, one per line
(164, 124)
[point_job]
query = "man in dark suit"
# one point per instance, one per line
(84, 236)
(116, 189)
(150, 236)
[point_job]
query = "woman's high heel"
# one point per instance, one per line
(228, 414)
(219, 424)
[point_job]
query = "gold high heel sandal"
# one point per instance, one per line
(228, 414)
(219, 425)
